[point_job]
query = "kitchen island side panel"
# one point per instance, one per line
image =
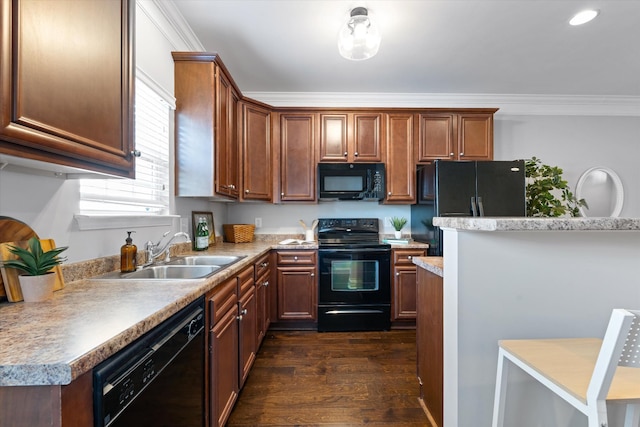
(526, 284)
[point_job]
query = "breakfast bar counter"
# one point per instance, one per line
(510, 278)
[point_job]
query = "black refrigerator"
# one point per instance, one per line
(464, 188)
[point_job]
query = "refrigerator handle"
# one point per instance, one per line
(480, 207)
(474, 207)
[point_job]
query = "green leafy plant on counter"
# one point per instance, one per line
(547, 193)
(398, 222)
(33, 261)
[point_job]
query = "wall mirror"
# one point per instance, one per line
(602, 189)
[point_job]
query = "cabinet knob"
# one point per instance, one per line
(462, 154)
(233, 187)
(266, 283)
(409, 257)
(136, 153)
(244, 312)
(451, 154)
(246, 191)
(355, 154)
(264, 264)
(397, 274)
(345, 154)
(313, 274)
(282, 194)
(295, 258)
(239, 317)
(389, 193)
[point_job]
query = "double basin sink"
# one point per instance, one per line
(179, 268)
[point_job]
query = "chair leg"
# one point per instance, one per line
(501, 390)
(632, 416)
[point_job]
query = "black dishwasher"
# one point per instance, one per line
(158, 380)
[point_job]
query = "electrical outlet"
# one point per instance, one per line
(258, 222)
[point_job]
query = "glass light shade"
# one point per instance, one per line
(583, 17)
(359, 37)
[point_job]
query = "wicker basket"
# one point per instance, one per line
(238, 233)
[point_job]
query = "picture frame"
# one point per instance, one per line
(195, 216)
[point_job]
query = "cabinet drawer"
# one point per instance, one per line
(405, 256)
(223, 298)
(261, 266)
(245, 281)
(296, 257)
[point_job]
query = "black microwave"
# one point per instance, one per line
(351, 181)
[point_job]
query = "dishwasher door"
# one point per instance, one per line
(158, 380)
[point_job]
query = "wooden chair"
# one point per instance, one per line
(585, 372)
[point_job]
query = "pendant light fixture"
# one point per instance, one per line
(359, 38)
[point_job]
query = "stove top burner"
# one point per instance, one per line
(349, 233)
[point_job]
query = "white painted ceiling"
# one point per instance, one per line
(430, 46)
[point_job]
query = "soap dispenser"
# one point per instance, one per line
(128, 255)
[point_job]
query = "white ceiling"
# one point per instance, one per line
(430, 46)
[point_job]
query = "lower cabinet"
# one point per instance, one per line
(264, 291)
(297, 286)
(223, 351)
(247, 322)
(429, 342)
(404, 286)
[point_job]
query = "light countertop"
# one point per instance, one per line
(430, 263)
(537, 224)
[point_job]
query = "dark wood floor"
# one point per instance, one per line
(332, 379)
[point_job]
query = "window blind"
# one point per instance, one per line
(148, 193)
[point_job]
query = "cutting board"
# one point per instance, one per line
(10, 275)
(12, 230)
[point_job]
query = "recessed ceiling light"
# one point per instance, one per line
(583, 17)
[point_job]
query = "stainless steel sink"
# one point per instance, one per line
(164, 272)
(220, 260)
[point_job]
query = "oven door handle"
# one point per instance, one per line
(334, 250)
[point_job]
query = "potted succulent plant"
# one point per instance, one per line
(37, 280)
(398, 223)
(547, 193)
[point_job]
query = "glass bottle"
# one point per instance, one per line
(202, 235)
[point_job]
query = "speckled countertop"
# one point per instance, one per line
(430, 263)
(55, 341)
(538, 224)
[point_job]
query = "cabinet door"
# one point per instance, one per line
(400, 179)
(223, 367)
(61, 102)
(333, 138)
(435, 137)
(367, 137)
(226, 137)
(297, 293)
(256, 153)
(297, 160)
(248, 319)
(475, 136)
(404, 293)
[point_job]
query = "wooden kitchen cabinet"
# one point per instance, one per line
(429, 342)
(248, 321)
(263, 296)
(403, 298)
(256, 153)
(455, 135)
(297, 134)
(351, 137)
(207, 127)
(400, 174)
(61, 103)
(297, 285)
(223, 351)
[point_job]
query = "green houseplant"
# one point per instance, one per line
(547, 193)
(38, 280)
(398, 223)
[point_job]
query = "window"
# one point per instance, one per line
(148, 193)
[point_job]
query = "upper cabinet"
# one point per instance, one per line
(208, 129)
(400, 174)
(351, 137)
(455, 135)
(66, 79)
(297, 135)
(256, 152)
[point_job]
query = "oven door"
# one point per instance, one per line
(354, 276)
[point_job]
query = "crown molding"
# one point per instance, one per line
(166, 17)
(548, 105)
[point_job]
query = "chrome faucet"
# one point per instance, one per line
(154, 250)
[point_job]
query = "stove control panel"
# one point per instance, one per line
(349, 224)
